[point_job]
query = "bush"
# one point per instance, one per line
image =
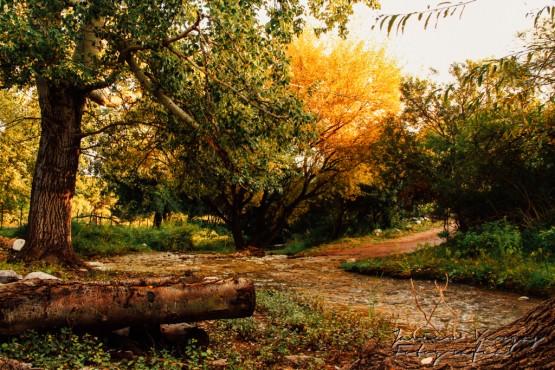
(171, 238)
(496, 238)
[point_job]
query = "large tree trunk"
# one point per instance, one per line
(44, 304)
(527, 343)
(49, 224)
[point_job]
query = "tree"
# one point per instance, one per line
(350, 88)
(481, 154)
(72, 51)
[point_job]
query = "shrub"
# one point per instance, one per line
(496, 238)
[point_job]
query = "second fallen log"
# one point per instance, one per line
(45, 304)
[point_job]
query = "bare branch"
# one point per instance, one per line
(101, 98)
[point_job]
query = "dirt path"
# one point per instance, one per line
(405, 244)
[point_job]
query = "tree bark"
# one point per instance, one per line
(49, 223)
(45, 304)
(527, 343)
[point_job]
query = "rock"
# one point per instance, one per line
(523, 298)
(427, 360)
(378, 232)
(40, 275)
(18, 244)
(219, 363)
(9, 276)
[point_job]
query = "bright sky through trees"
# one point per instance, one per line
(486, 29)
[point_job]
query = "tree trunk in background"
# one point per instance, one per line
(49, 223)
(527, 343)
(45, 304)
(157, 222)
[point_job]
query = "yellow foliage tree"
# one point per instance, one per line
(350, 87)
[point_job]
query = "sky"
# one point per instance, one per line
(486, 29)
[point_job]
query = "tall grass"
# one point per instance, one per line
(90, 240)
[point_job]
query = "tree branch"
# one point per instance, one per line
(224, 84)
(162, 98)
(124, 54)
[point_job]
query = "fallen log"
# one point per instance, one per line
(45, 304)
(526, 343)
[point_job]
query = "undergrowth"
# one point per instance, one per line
(284, 323)
(497, 255)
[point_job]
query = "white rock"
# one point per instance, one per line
(9, 276)
(427, 360)
(18, 244)
(40, 275)
(523, 298)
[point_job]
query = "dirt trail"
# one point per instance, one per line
(404, 244)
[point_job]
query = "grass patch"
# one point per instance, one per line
(284, 323)
(495, 256)
(9, 232)
(97, 241)
(91, 241)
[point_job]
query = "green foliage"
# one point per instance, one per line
(62, 350)
(287, 323)
(10, 232)
(478, 151)
(95, 240)
(498, 239)
(66, 350)
(18, 122)
(330, 217)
